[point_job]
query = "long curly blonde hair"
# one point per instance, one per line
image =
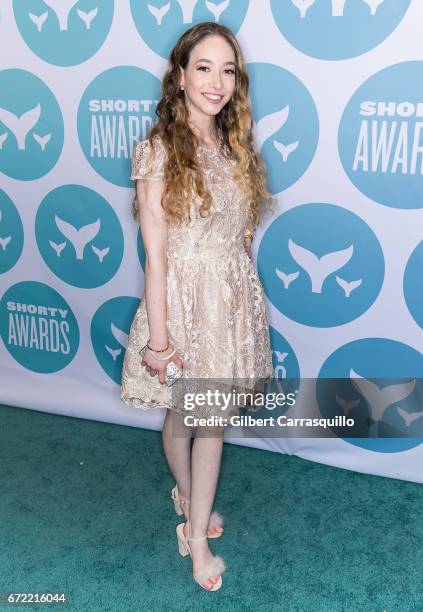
(234, 124)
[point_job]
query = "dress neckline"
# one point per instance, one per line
(214, 150)
(206, 148)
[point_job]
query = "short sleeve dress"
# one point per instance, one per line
(216, 316)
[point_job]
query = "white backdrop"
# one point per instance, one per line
(336, 93)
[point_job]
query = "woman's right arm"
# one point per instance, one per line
(154, 235)
(153, 225)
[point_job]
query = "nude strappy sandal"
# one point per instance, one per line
(216, 519)
(215, 567)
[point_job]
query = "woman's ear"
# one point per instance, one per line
(181, 79)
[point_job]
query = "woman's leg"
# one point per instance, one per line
(205, 466)
(177, 448)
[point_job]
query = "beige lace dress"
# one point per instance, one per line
(216, 316)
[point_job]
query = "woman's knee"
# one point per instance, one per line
(210, 431)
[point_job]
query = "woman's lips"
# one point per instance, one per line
(217, 101)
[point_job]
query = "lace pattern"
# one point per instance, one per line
(216, 316)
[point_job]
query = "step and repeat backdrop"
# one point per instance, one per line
(336, 89)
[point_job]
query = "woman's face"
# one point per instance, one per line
(210, 70)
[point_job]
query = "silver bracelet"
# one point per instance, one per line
(163, 358)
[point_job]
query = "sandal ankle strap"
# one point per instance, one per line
(197, 539)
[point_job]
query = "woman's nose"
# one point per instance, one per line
(216, 82)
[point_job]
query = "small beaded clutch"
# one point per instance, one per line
(172, 372)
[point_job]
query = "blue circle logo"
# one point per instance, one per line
(379, 384)
(161, 23)
(65, 32)
(337, 29)
(380, 136)
(79, 236)
(110, 327)
(286, 124)
(413, 286)
(321, 265)
(117, 108)
(11, 233)
(38, 327)
(31, 126)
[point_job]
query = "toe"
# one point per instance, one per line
(211, 582)
(215, 530)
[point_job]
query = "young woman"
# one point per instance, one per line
(199, 189)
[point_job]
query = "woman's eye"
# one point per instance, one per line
(229, 70)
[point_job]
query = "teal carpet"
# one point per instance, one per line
(85, 509)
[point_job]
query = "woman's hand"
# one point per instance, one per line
(247, 245)
(157, 366)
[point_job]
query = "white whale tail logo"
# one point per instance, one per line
(380, 399)
(287, 278)
(101, 253)
(319, 268)
(42, 140)
(217, 9)
(267, 125)
(20, 126)
(159, 13)
(285, 150)
(187, 7)
(58, 248)
(4, 240)
(348, 287)
(303, 6)
(345, 405)
(280, 369)
(78, 238)
(119, 335)
(87, 17)
(61, 8)
(338, 6)
(38, 19)
(373, 5)
(409, 417)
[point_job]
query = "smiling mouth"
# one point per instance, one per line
(212, 97)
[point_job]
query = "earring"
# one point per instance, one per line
(182, 89)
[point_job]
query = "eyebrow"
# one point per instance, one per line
(210, 62)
